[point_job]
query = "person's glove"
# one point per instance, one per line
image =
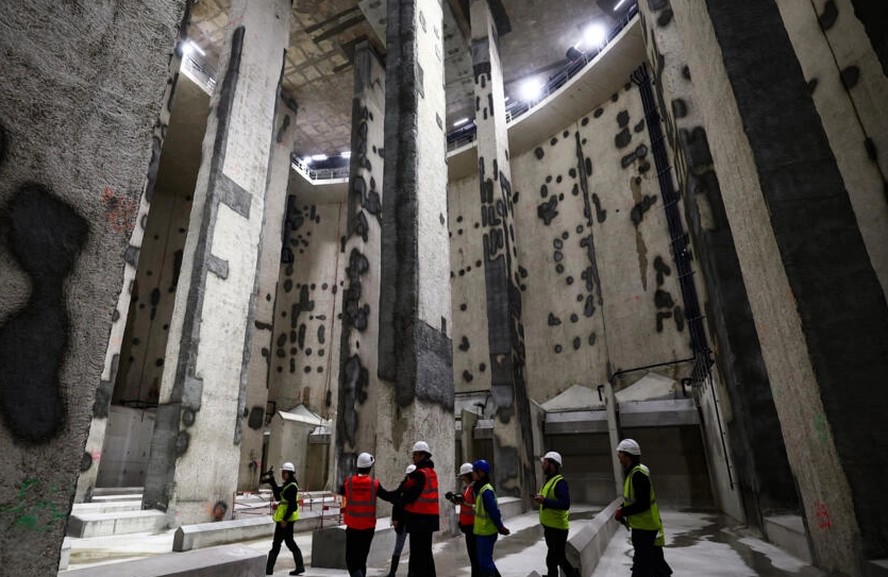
(618, 514)
(503, 531)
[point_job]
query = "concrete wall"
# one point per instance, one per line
(598, 286)
(819, 308)
(126, 448)
(740, 421)
(304, 349)
(77, 107)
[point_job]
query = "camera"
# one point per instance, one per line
(449, 495)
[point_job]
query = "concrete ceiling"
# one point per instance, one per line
(319, 72)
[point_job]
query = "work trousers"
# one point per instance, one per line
(471, 548)
(284, 535)
(421, 563)
(357, 548)
(400, 539)
(556, 540)
(484, 544)
(648, 560)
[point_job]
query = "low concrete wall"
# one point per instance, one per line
(510, 507)
(328, 546)
(788, 532)
(203, 535)
(585, 548)
(224, 561)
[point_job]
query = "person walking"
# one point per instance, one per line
(642, 513)
(285, 515)
(554, 502)
(420, 499)
(488, 520)
(399, 523)
(360, 492)
(466, 502)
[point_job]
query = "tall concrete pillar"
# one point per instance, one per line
(77, 107)
(820, 313)
(761, 473)
(195, 448)
(512, 438)
(415, 356)
(360, 391)
(254, 399)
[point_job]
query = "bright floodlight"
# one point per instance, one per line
(460, 122)
(594, 35)
(318, 157)
(620, 3)
(531, 89)
(346, 154)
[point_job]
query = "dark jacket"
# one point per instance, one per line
(413, 485)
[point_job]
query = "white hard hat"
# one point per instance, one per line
(629, 446)
(365, 461)
(288, 466)
(421, 447)
(552, 456)
(410, 469)
(465, 469)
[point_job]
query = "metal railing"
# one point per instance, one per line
(467, 134)
(316, 174)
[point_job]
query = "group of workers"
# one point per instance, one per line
(416, 513)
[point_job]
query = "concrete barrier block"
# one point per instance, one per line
(510, 506)
(788, 533)
(116, 523)
(224, 561)
(203, 535)
(65, 559)
(585, 548)
(328, 546)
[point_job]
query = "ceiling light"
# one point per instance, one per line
(531, 89)
(318, 157)
(460, 122)
(346, 154)
(595, 35)
(620, 3)
(189, 46)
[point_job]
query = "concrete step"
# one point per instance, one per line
(788, 533)
(115, 523)
(117, 498)
(107, 506)
(107, 491)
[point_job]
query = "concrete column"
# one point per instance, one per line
(77, 107)
(195, 447)
(512, 440)
(360, 391)
(762, 474)
(255, 396)
(415, 355)
(820, 312)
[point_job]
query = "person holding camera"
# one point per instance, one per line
(466, 502)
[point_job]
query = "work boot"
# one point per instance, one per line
(394, 569)
(300, 565)
(297, 571)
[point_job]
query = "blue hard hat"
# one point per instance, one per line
(481, 465)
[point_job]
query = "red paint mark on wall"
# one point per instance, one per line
(96, 456)
(822, 513)
(120, 212)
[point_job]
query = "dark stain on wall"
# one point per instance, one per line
(829, 16)
(44, 236)
(638, 211)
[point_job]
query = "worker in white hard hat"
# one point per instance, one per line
(554, 502)
(361, 491)
(399, 523)
(285, 515)
(642, 514)
(466, 502)
(420, 499)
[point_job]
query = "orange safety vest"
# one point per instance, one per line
(467, 509)
(360, 495)
(427, 503)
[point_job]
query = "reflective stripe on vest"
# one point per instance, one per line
(483, 524)
(648, 520)
(427, 503)
(282, 506)
(555, 518)
(360, 498)
(467, 510)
